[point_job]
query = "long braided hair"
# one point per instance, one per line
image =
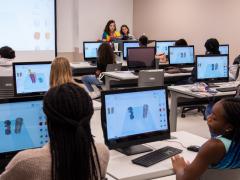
(69, 109)
(231, 114)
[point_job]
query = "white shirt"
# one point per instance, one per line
(6, 67)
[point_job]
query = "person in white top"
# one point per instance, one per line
(6, 56)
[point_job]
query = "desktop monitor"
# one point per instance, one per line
(90, 50)
(22, 125)
(181, 55)
(224, 48)
(126, 45)
(134, 116)
(162, 46)
(212, 68)
(140, 58)
(31, 78)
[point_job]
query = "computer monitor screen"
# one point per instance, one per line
(90, 50)
(224, 49)
(212, 68)
(135, 116)
(181, 55)
(140, 58)
(22, 124)
(162, 46)
(128, 44)
(31, 78)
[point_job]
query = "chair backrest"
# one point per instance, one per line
(221, 174)
(114, 67)
(151, 78)
(233, 72)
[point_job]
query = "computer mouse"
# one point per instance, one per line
(193, 148)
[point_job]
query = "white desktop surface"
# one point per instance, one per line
(185, 92)
(121, 167)
(128, 75)
(186, 89)
(122, 75)
(85, 64)
(82, 64)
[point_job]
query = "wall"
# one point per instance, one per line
(194, 20)
(65, 22)
(81, 20)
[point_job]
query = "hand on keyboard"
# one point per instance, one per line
(156, 156)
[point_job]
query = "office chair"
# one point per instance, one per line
(151, 78)
(221, 174)
(110, 68)
(233, 72)
(188, 107)
(114, 67)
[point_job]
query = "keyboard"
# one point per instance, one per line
(226, 89)
(135, 73)
(156, 156)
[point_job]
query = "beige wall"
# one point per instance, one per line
(194, 20)
(81, 20)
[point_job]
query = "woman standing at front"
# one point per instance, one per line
(110, 32)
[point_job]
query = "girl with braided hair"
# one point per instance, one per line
(72, 153)
(221, 152)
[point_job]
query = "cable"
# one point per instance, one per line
(178, 143)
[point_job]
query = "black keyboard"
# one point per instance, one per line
(135, 73)
(156, 156)
(226, 89)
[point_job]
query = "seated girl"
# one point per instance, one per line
(72, 152)
(105, 57)
(221, 152)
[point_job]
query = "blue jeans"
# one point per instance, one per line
(90, 80)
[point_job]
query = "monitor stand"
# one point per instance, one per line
(93, 63)
(212, 85)
(136, 149)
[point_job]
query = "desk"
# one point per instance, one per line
(84, 67)
(121, 167)
(185, 91)
(131, 78)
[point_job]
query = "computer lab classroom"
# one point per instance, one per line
(119, 90)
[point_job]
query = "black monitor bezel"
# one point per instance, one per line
(133, 139)
(84, 54)
(182, 64)
(163, 41)
(211, 80)
(123, 45)
(41, 93)
(141, 68)
(224, 45)
(10, 154)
